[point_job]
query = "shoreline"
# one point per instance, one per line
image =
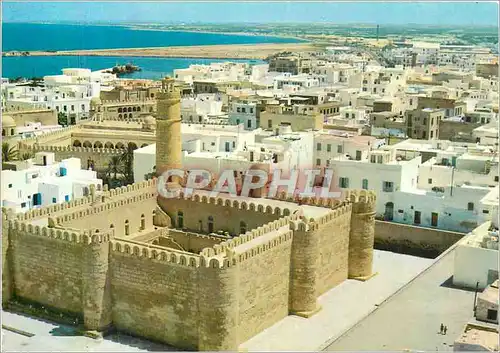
(249, 34)
(229, 51)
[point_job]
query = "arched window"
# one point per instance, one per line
(130, 116)
(200, 225)
(127, 228)
(470, 206)
(119, 111)
(180, 219)
(154, 215)
(210, 224)
(3, 132)
(11, 132)
(119, 116)
(143, 222)
(112, 226)
(243, 227)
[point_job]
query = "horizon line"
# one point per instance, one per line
(181, 23)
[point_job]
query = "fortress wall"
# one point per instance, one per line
(47, 266)
(263, 302)
(224, 212)
(333, 249)
(192, 242)
(7, 286)
(154, 294)
(117, 211)
(60, 137)
(100, 156)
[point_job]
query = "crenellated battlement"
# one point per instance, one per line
(205, 123)
(48, 210)
(148, 187)
(262, 248)
(133, 194)
(248, 236)
(72, 149)
(129, 101)
(168, 232)
(360, 196)
(338, 212)
(228, 201)
(82, 237)
(310, 201)
(49, 135)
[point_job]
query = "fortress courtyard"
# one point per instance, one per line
(343, 307)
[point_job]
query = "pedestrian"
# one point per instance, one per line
(445, 329)
(441, 329)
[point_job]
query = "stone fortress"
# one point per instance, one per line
(159, 268)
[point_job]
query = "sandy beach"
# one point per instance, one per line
(233, 51)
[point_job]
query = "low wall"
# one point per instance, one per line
(411, 240)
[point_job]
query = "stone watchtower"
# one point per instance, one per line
(168, 128)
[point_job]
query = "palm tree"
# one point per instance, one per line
(26, 155)
(127, 160)
(115, 167)
(9, 153)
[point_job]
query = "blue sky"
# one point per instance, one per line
(444, 13)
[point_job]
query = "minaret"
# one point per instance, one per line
(168, 128)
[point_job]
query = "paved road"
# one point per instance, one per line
(411, 318)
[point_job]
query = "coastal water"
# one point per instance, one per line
(47, 37)
(152, 68)
(31, 36)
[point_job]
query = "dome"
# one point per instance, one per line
(149, 123)
(149, 120)
(8, 121)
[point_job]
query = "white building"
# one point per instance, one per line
(197, 139)
(395, 180)
(246, 113)
(220, 72)
(476, 257)
(44, 182)
(301, 81)
(329, 144)
(201, 108)
(69, 93)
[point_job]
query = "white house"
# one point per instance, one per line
(201, 107)
(301, 81)
(69, 93)
(45, 182)
(476, 257)
(246, 113)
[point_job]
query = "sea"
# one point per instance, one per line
(47, 37)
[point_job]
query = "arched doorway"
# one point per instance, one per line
(97, 144)
(77, 143)
(120, 145)
(389, 211)
(87, 144)
(109, 145)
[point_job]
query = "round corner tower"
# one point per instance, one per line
(168, 128)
